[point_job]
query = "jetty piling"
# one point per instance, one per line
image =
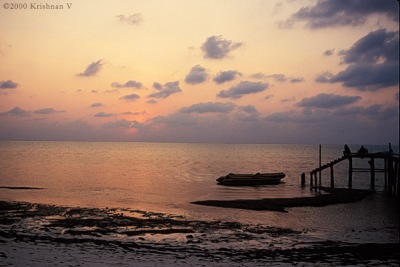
(303, 179)
(390, 170)
(372, 164)
(350, 181)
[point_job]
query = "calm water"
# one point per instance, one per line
(165, 177)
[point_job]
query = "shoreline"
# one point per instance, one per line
(333, 196)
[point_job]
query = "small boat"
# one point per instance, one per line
(251, 179)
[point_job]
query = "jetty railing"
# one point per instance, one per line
(390, 170)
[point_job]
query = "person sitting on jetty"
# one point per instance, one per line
(363, 150)
(346, 150)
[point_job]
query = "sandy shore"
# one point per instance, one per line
(47, 235)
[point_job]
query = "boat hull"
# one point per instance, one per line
(251, 179)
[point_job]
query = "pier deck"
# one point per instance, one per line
(390, 170)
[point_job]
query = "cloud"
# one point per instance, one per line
(165, 91)
(175, 120)
(282, 116)
(268, 97)
(226, 76)
(131, 97)
(296, 80)
(327, 101)
(216, 47)
(196, 75)
(259, 75)
(328, 52)
(96, 105)
(121, 124)
(46, 111)
(243, 88)
(157, 86)
(102, 114)
(278, 77)
(242, 123)
(358, 118)
(134, 113)
(209, 107)
(129, 83)
(92, 69)
(309, 117)
(247, 113)
(113, 91)
(375, 112)
(65, 130)
(379, 45)
(289, 99)
(134, 19)
(324, 77)
(373, 63)
(199, 118)
(151, 101)
(369, 77)
(9, 84)
(379, 112)
(17, 112)
(330, 13)
(249, 109)
(213, 113)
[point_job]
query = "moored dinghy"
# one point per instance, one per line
(251, 179)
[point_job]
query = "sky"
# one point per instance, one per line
(257, 71)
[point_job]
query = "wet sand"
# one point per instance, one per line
(330, 197)
(47, 235)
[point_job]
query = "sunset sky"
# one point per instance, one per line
(201, 71)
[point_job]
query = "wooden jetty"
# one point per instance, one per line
(390, 170)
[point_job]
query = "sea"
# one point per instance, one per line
(167, 177)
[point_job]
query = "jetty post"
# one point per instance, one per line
(372, 165)
(320, 159)
(386, 166)
(350, 181)
(303, 179)
(332, 177)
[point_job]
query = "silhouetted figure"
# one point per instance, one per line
(346, 150)
(363, 150)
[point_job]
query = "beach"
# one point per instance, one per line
(47, 235)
